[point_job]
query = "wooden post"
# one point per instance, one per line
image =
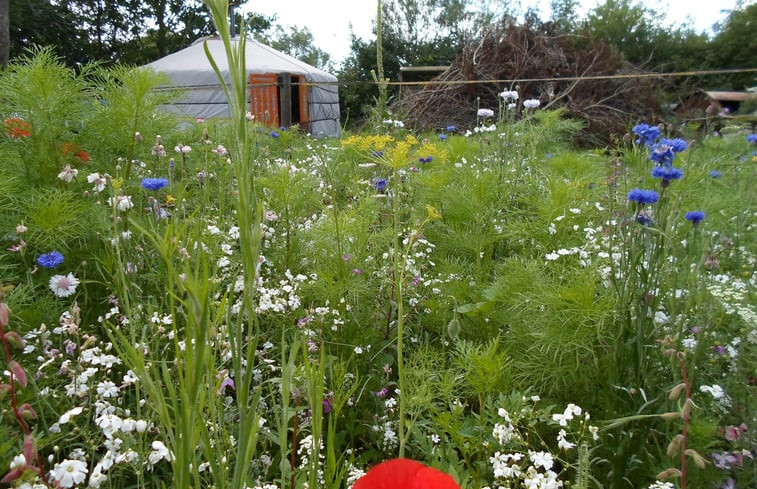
(285, 99)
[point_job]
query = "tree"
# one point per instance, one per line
(125, 31)
(735, 46)
(4, 32)
(25, 19)
(415, 32)
(299, 43)
(627, 26)
(563, 14)
(108, 25)
(649, 42)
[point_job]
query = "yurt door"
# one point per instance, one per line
(264, 100)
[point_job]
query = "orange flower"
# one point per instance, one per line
(17, 128)
(69, 148)
(82, 155)
(403, 473)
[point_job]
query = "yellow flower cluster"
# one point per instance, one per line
(435, 150)
(396, 153)
(368, 143)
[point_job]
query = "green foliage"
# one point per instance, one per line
(280, 293)
(485, 369)
(126, 104)
(57, 218)
(42, 91)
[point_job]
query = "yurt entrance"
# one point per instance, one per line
(279, 100)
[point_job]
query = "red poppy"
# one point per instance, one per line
(17, 128)
(403, 473)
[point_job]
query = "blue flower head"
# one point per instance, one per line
(644, 219)
(676, 144)
(667, 173)
(643, 196)
(451, 128)
(662, 154)
(425, 159)
(379, 184)
(442, 137)
(647, 134)
(50, 260)
(715, 174)
(695, 217)
(274, 135)
(752, 138)
(154, 183)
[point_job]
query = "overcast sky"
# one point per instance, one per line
(330, 20)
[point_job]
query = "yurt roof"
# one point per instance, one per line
(190, 66)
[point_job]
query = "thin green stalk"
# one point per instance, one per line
(380, 80)
(243, 331)
(398, 272)
(315, 372)
(288, 368)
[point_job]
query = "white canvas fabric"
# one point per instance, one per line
(203, 96)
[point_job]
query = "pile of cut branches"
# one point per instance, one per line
(586, 77)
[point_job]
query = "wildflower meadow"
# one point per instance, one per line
(221, 304)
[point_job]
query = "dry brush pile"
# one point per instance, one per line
(540, 64)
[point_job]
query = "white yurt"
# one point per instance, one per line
(282, 91)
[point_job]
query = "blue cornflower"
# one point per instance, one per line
(379, 184)
(425, 159)
(442, 137)
(647, 134)
(50, 260)
(274, 135)
(752, 138)
(716, 174)
(676, 144)
(695, 216)
(644, 219)
(154, 183)
(451, 128)
(643, 196)
(662, 154)
(667, 173)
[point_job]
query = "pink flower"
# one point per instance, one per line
(63, 285)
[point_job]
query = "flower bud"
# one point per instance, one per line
(674, 445)
(18, 372)
(686, 409)
(453, 328)
(15, 339)
(696, 457)
(668, 473)
(4, 314)
(670, 416)
(27, 411)
(676, 391)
